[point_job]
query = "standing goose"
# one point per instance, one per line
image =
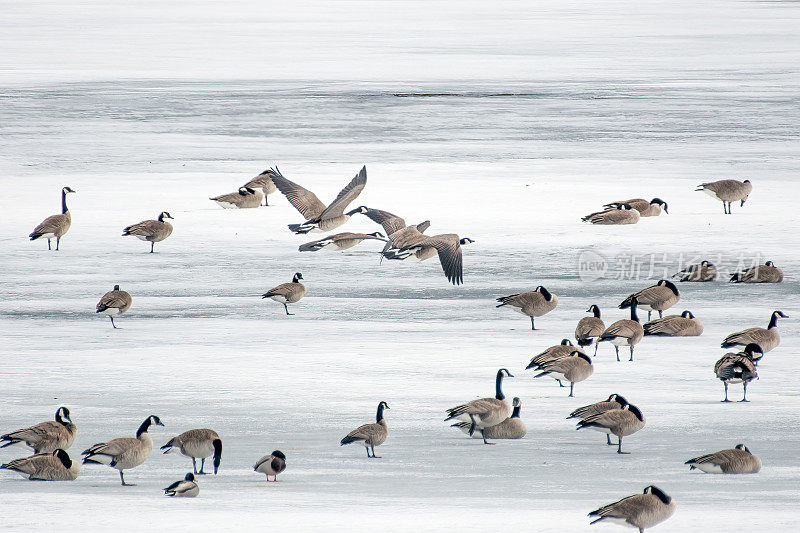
(124, 453)
(55, 226)
(264, 182)
(623, 214)
(625, 332)
(46, 437)
(703, 271)
(639, 511)
(553, 353)
(55, 466)
(185, 488)
(511, 428)
(590, 328)
(658, 297)
(682, 325)
(575, 368)
(653, 208)
(246, 198)
(448, 246)
(738, 368)
(766, 273)
(739, 460)
(274, 463)
(370, 435)
(538, 302)
(727, 191)
(485, 412)
(620, 422)
(614, 401)
(197, 444)
(318, 217)
(768, 339)
(287, 293)
(151, 230)
(114, 302)
(340, 241)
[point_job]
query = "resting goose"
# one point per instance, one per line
(623, 214)
(287, 293)
(197, 444)
(535, 303)
(766, 273)
(511, 428)
(727, 191)
(264, 182)
(738, 368)
(273, 464)
(185, 488)
(114, 302)
(574, 368)
(620, 422)
(590, 328)
(614, 401)
(370, 435)
(653, 208)
(738, 460)
(152, 231)
(340, 241)
(485, 412)
(124, 453)
(658, 297)
(55, 466)
(46, 437)
(55, 226)
(768, 339)
(246, 198)
(703, 271)
(639, 511)
(553, 353)
(682, 325)
(625, 332)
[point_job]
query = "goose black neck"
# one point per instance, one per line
(217, 453)
(773, 321)
(60, 418)
(379, 416)
(161, 217)
(64, 458)
(515, 412)
(546, 294)
(634, 316)
(64, 201)
(499, 387)
(143, 428)
(596, 312)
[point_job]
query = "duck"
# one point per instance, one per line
(245, 198)
(535, 303)
(738, 460)
(55, 466)
(658, 297)
(264, 182)
(727, 191)
(370, 435)
(574, 368)
(511, 428)
(287, 293)
(620, 422)
(55, 226)
(738, 368)
(639, 511)
(124, 453)
(625, 332)
(46, 437)
(589, 328)
(184, 488)
(151, 230)
(484, 412)
(273, 464)
(682, 325)
(620, 215)
(768, 339)
(197, 444)
(766, 273)
(702, 272)
(114, 302)
(653, 208)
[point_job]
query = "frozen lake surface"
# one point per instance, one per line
(504, 124)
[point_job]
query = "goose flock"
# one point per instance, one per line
(487, 418)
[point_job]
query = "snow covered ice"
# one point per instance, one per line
(501, 122)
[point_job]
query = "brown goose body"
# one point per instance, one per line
(152, 231)
(246, 198)
(124, 453)
(622, 215)
(340, 241)
(620, 422)
(737, 460)
(614, 401)
(768, 339)
(683, 325)
(114, 302)
(653, 208)
(766, 273)
(535, 303)
(263, 182)
(197, 444)
(700, 272)
(447, 246)
(55, 226)
(287, 293)
(46, 437)
(658, 297)
(574, 368)
(640, 511)
(553, 353)
(589, 328)
(511, 428)
(740, 367)
(727, 191)
(54, 466)
(370, 435)
(626, 332)
(484, 412)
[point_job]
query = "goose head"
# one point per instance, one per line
(754, 351)
(566, 342)
(116, 287)
(743, 448)
(358, 210)
(658, 493)
(67, 190)
(378, 235)
(660, 202)
(504, 373)
(769, 264)
(63, 457)
(163, 215)
(217, 443)
(687, 314)
(465, 241)
(618, 398)
(297, 277)
(62, 415)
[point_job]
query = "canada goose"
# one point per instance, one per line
(638, 511)
(340, 241)
(55, 466)
(727, 191)
(658, 297)
(625, 332)
(553, 353)
(768, 339)
(620, 422)
(246, 198)
(264, 182)
(185, 488)
(391, 223)
(151, 230)
(54, 226)
(623, 214)
(114, 302)
(318, 217)
(485, 412)
(614, 401)
(652, 208)
(739, 460)
(538, 302)
(682, 325)
(46, 437)
(511, 428)
(703, 271)
(575, 368)
(738, 368)
(370, 435)
(447, 245)
(287, 293)
(766, 273)
(124, 453)
(275, 463)
(197, 444)
(408, 236)
(590, 328)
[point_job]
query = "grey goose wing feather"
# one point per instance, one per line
(390, 222)
(114, 300)
(346, 195)
(301, 198)
(450, 257)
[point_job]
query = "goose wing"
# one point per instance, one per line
(620, 328)
(449, 249)
(756, 335)
(346, 195)
(390, 222)
(146, 228)
(112, 299)
(49, 225)
(301, 198)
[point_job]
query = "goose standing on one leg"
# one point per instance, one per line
(620, 422)
(574, 368)
(614, 401)
(272, 464)
(768, 339)
(287, 293)
(55, 226)
(124, 453)
(370, 435)
(738, 368)
(151, 230)
(639, 511)
(485, 412)
(590, 328)
(197, 444)
(535, 303)
(114, 302)
(625, 332)
(45, 437)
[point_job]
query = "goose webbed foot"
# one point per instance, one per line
(725, 401)
(745, 400)
(560, 384)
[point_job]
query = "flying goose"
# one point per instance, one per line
(264, 182)
(287, 293)
(620, 422)
(739, 460)
(275, 463)
(318, 217)
(55, 466)
(151, 230)
(738, 368)
(485, 412)
(574, 368)
(538, 302)
(703, 271)
(727, 191)
(55, 226)
(511, 428)
(638, 511)
(682, 325)
(590, 328)
(614, 401)
(408, 236)
(391, 223)
(625, 332)
(46, 437)
(370, 435)
(623, 214)
(185, 488)
(652, 208)
(114, 302)
(124, 453)
(447, 245)
(246, 198)
(766, 273)
(768, 339)
(340, 241)
(197, 444)
(658, 297)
